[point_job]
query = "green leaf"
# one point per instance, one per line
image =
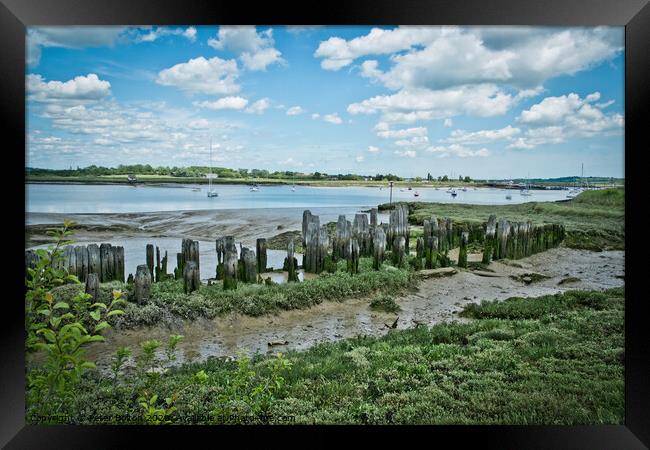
(61, 305)
(115, 312)
(96, 338)
(101, 325)
(101, 305)
(96, 315)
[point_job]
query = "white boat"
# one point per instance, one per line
(254, 188)
(416, 194)
(526, 190)
(293, 188)
(454, 193)
(211, 193)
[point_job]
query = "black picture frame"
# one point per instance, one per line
(15, 15)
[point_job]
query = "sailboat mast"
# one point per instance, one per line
(210, 178)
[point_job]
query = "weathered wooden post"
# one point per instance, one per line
(70, 260)
(261, 255)
(150, 260)
(158, 268)
(81, 254)
(450, 233)
(462, 252)
(291, 263)
(419, 253)
(92, 286)
(373, 217)
(31, 259)
(431, 253)
(399, 250)
(378, 248)
(230, 267)
(306, 220)
(178, 271)
(129, 280)
(142, 284)
(191, 277)
(94, 261)
(341, 237)
(119, 264)
(220, 245)
(442, 236)
(353, 258)
(164, 266)
(489, 241)
(247, 266)
(361, 232)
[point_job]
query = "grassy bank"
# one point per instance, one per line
(546, 360)
(210, 301)
(594, 220)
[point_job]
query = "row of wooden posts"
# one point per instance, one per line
(351, 240)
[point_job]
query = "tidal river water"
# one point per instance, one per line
(80, 198)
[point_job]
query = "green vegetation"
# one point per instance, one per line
(549, 360)
(385, 303)
(594, 220)
(210, 301)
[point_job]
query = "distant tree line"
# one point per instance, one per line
(201, 171)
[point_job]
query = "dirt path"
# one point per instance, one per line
(436, 300)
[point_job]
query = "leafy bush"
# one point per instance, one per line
(385, 303)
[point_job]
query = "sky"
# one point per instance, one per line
(485, 102)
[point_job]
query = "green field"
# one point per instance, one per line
(594, 220)
(547, 360)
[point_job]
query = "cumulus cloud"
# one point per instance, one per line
(384, 132)
(88, 87)
(256, 50)
(406, 153)
(555, 119)
(359, 158)
(294, 111)
(223, 103)
(482, 136)
(458, 150)
(333, 118)
(408, 106)
(259, 106)
(213, 76)
(157, 32)
(69, 37)
(448, 122)
(315, 116)
(440, 57)
(373, 149)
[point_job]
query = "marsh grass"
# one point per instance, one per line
(547, 360)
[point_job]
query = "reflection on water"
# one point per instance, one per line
(78, 198)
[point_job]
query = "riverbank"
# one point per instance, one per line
(550, 360)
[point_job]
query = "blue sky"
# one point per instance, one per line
(488, 102)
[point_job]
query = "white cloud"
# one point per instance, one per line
(555, 119)
(384, 132)
(223, 103)
(294, 111)
(157, 32)
(259, 106)
(88, 87)
(359, 158)
(290, 162)
(408, 106)
(416, 141)
(448, 122)
(315, 116)
(373, 149)
(458, 150)
(441, 57)
(255, 49)
(406, 153)
(332, 118)
(214, 76)
(482, 136)
(69, 37)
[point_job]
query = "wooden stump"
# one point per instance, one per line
(163, 266)
(69, 260)
(129, 280)
(353, 258)
(431, 252)
(105, 255)
(306, 220)
(230, 268)
(378, 248)
(489, 241)
(92, 286)
(149, 260)
(462, 253)
(142, 284)
(248, 266)
(361, 232)
(261, 255)
(31, 259)
(399, 251)
(291, 263)
(341, 237)
(94, 261)
(81, 254)
(119, 264)
(191, 277)
(399, 226)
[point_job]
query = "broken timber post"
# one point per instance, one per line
(261, 255)
(489, 241)
(150, 260)
(92, 286)
(462, 252)
(247, 266)
(291, 263)
(191, 277)
(378, 248)
(94, 261)
(361, 232)
(230, 267)
(119, 264)
(341, 237)
(142, 284)
(399, 250)
(353, 258)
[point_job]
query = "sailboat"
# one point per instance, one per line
(211, 193)
(526, 190)
(254, 188)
